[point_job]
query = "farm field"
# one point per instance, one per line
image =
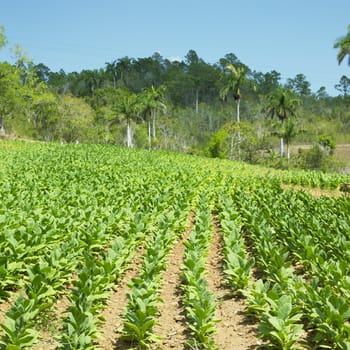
(111, 248)
(341, 153)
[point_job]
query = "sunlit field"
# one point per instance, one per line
(107, 247)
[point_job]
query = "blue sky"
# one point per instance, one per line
(288, 36)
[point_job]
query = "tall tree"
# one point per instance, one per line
(177, 83)
(59, 82)
(267, 82)
(283, 105)
(229, 58)
(89, 80)
(127, 107)
(236, 77)
(112, 69)
(11, 93)
(40, 108)
(203, 78)
(344, 86)
(42, 72)
(343, 44)
(124, 66)
(321, 93)
(2, 43)
(152, 100)
(194, 62)
(287, 131)
(300, 85)
(22, 60)
(148, 72)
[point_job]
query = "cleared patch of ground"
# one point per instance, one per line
(341, 153)
(315, 192)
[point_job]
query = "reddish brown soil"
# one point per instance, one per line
(115, 308)
(52, 326)
(171, 327)
(234, 330)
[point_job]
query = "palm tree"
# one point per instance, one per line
(111, 68)
(152, 100)
(344, 47)
(281, 104)
(236, 78)
(124, 66)
(289, 132)
(127, 107)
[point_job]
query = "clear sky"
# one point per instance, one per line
(289, 36)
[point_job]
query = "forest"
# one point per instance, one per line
(224, 110)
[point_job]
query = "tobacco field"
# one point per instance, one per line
(111, 248)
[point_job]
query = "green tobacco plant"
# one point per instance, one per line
(238, 266)
(139, 318)
(279, 324)
(330, 316)
(81, 323)
(258, 295)
(200, 304)
(19, 327)
(143, 299)
(201, 317)
(238, 270)
(40, 289)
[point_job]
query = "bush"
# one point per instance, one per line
(327, 142)
(318, 158)
(235, 141)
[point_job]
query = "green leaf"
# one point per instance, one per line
(13, 347)
(276, 323)
(284, 307)
(132, 330)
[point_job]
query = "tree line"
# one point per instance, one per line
(187, 105)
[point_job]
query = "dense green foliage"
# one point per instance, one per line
(153, 102)
(72, 218)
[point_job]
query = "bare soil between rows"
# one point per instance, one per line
(234, 330)
(171, 327)
(114, 311)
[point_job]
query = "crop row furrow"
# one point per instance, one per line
(291, 305)
(200, 304)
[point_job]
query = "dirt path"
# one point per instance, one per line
(53, 325)
(171, 326)
(315, 192)
(234, 332)
(5, 306)
(48, 325)
(116, 304)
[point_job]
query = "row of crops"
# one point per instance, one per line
(73, 218)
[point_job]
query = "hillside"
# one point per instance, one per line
(190, 106)
(151, 248)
